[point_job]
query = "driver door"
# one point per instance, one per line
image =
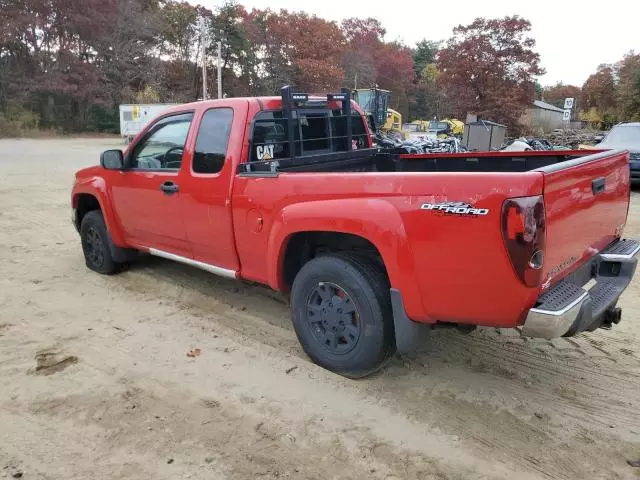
(147, 195)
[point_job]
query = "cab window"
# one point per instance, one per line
(163, 145)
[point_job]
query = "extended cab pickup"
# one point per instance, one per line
(372, 248)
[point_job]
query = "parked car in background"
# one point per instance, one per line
(626, 136)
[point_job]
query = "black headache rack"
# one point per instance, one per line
(347, 158)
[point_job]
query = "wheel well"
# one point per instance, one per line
(84, 204)
(305, 246)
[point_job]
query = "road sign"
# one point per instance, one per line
(568, 103)
(566, 116)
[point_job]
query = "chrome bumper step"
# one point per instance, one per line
(567, 308)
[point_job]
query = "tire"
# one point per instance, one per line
(95, 244)
(341, 311)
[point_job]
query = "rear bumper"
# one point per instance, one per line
(569, 308)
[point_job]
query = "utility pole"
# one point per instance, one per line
(219, 69)
(203, 47)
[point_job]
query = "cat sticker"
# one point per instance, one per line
(264, 152)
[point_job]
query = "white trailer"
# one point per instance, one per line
(133, 118)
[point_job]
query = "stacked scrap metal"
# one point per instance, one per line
(418, 144)
(574, 138)
(557, 140)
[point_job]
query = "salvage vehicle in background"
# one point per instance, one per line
(372, 249)
(625, 136)
(417, 128)
(412, 129)
(445, 128)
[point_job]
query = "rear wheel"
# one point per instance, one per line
(342, 314)
(95, 244)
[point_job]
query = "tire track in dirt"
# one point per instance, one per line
(255, 420)
(582, 389)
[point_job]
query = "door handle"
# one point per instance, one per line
(597, 186)
(169, 188)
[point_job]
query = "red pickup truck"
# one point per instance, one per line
(373, 248)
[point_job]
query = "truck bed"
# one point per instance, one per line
(585, 198)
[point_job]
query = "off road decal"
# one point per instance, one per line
(557, 269)
(455, 208)
(264, 152)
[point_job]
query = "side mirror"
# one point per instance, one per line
(112, 159)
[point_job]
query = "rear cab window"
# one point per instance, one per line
(316, 131)
(212, 141)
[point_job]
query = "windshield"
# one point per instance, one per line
(623, 136)
(438, 126)
(366, 100)
(411, 127)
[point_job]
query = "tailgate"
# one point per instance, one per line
(586, 202)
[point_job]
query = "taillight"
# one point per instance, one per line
(523, 231)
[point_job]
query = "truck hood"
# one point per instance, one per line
(89, 172)
(633, 148)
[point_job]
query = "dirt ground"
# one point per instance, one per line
(96, 382)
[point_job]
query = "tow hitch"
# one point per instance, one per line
(611, 316)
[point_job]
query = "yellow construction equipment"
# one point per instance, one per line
(375, 103)
(394, 121)
(448, 127)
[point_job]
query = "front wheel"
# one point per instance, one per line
(342, 314)
(95, 244)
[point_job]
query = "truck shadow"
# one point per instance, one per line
(499, 352)
(238, 305)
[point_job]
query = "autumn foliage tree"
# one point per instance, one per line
(427, 98)
(628, 88)
(313, 48)
(556, 94)
(612, 93)
(364, 38)
(489, 68)
(394, 72)
(369, 61)
(68, 64)
(599, 97)
(599, 89)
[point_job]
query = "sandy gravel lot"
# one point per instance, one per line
(96, 383)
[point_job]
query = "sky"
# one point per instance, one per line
(572, 37)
